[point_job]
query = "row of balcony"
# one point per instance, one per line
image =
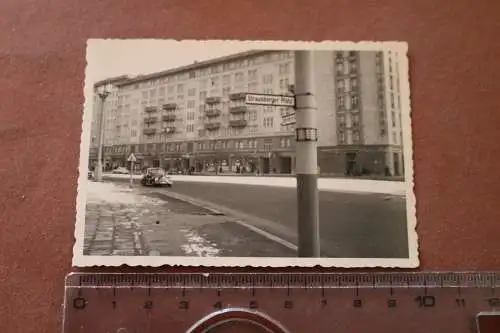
(233, 123)
(166, 130)
(153, 120)
(213, 112)
(209, 100)
(210, 113)
(210, 126)
(167, 106)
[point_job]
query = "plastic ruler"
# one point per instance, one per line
(410, 302)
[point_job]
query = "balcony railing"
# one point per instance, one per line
(212, 113)
(150, 109)
(238, 123)
(237, 96)
(212, 126)
(169, 106)
(149, 131)
(150, 120)
(213, 100)
(169, 117)
(169, 130)
(238, 109)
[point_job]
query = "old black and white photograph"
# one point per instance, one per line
(246, 153)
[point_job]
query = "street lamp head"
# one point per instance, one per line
(103, 92)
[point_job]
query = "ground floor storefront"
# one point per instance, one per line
(383, 161)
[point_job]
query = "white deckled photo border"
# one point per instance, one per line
(92, 56)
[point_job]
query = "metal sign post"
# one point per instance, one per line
(303, 103)
(306, 157)
(131, 159)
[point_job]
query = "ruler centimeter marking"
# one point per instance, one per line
(117, 301)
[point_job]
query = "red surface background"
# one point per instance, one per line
(455, 70)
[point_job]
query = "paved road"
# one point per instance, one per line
(157, 224)
(352, 225)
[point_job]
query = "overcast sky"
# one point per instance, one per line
(109, 58)
(113, 57)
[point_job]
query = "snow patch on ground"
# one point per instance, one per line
(198, 246)
(101, 192)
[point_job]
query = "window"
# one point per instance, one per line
(214, 82)
(191, 104)
(340, 100)
(284, 69)
(180, 88)
(342, 137)
(267, 79)
(226, 80)
(355, 121)
(354, 101)
(170, 89)
(340, 85)
(152, 94)
(192, 75)
(268, 122)
(192, 92)
(340, 68)
(252, 87)
(284, 84)
(162, 91)
(355, 136)
(353, 66)
(144, 95)
(239, 77)
(252, 75)
(225, 91)
(203, 95)
(354, 83)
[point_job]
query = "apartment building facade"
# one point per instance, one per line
(196, 116)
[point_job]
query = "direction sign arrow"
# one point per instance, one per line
(271, 100)
(131, 158)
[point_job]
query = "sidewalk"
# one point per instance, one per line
(121, 221)
(324, 184)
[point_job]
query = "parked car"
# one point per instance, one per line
(156, 177)
(90, 174)
(121, 171)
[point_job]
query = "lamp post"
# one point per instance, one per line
(103, 93)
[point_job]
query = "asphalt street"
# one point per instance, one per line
(351, 225)
(144, 221)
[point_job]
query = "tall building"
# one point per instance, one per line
(196, 117)
(110, 136)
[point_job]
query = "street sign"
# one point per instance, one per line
(389, 302)
(131, 158)
(288, 118)
(270, 100)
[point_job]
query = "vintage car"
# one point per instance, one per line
(156, 177)
(120, 171)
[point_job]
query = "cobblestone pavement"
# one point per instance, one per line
(121, 221)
